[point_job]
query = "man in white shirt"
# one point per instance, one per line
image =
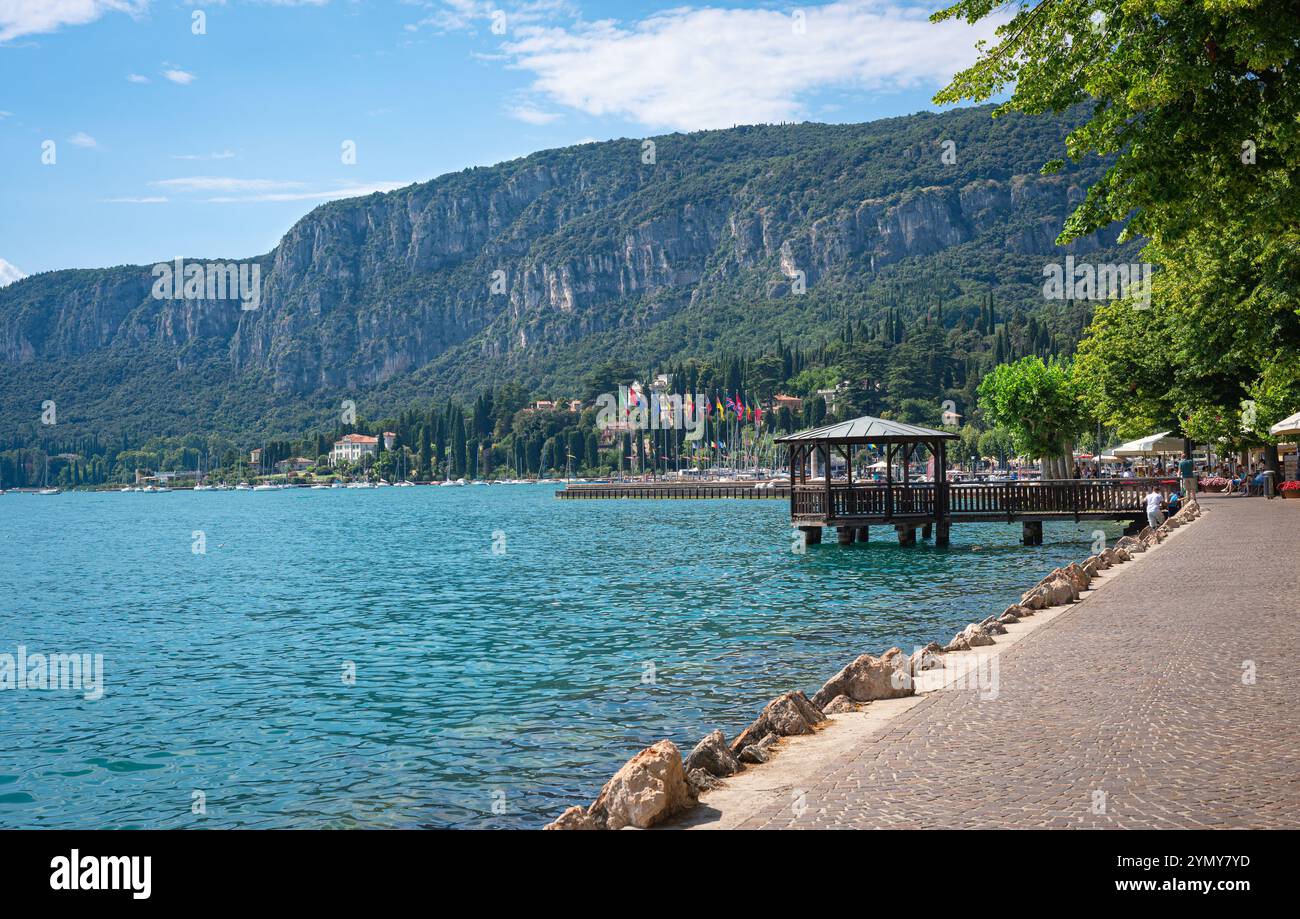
(1154, 500)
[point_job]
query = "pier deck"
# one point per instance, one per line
(668, 490)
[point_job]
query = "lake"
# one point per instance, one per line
(510, 650)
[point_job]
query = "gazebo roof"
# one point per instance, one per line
(866, 430)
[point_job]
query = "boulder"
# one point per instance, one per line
(1091, 566)
(1100, 561)
(701, 781)
(575, 818)
(976, 637)
(1123, 555)
(1131, 544)
(1075, 574)
(991, 626)
(841, 704)
(648, 789)
(754, 755)
(868, 678)
(1109, 557)
(1145, 534)
(784, 716)
(1020, 612)
(1008, 618)
(926, 658)
(1056, 592)
(713, 756)
(958, 643)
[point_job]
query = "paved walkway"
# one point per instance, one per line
(1130, 710)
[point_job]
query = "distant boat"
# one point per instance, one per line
(265, 487)
(243, 486)
(50, 491)
(404, 484)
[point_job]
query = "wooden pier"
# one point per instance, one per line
(819, 498)
(670, 490)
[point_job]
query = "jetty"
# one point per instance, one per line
(675, 489)
(819, 498)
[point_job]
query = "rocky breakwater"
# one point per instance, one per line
(656, 784)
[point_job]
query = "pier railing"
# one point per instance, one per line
(1050, 498)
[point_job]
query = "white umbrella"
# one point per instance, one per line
(1287, 426)
(1151, 445)
(880, 465)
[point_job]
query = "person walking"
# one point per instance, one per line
(1154, 500)
(1187, 472)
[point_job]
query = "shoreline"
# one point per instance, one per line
(712, 788)
(801, 759)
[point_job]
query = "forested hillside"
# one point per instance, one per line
(904, 255)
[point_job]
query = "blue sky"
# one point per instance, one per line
(170, 143)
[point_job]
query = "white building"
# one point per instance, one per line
(352, 448)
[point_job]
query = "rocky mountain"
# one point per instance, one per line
(531, 269)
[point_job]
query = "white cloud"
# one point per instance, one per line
(327, 194)
(82, 139)
(467, 15)
(136, 78)
(531, 115)
(183, 77)
(9, 273)
(225, 183)
(155, 199)
(223, 155)
(31, 17)
(692, 68)
(5, 114)
(229, 190)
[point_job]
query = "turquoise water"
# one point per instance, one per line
(491, 689)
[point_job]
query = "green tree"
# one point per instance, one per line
(1197, 105)
(1039, 406)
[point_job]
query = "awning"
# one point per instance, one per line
(1286, 426)
(1151, 445)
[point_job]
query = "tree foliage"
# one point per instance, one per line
(1197, 103)
(1038, 404)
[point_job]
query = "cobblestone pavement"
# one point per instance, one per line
(1170, 698)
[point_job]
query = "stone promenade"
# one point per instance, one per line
(1168, 698)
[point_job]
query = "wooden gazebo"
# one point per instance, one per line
(818, 499)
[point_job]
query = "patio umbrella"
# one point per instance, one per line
(1287, 426)
(1151, 445)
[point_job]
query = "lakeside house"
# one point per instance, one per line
(551, 405)
(352, 447)
(297, 464)
(833, 395)
(793, 403)
(255, 456)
